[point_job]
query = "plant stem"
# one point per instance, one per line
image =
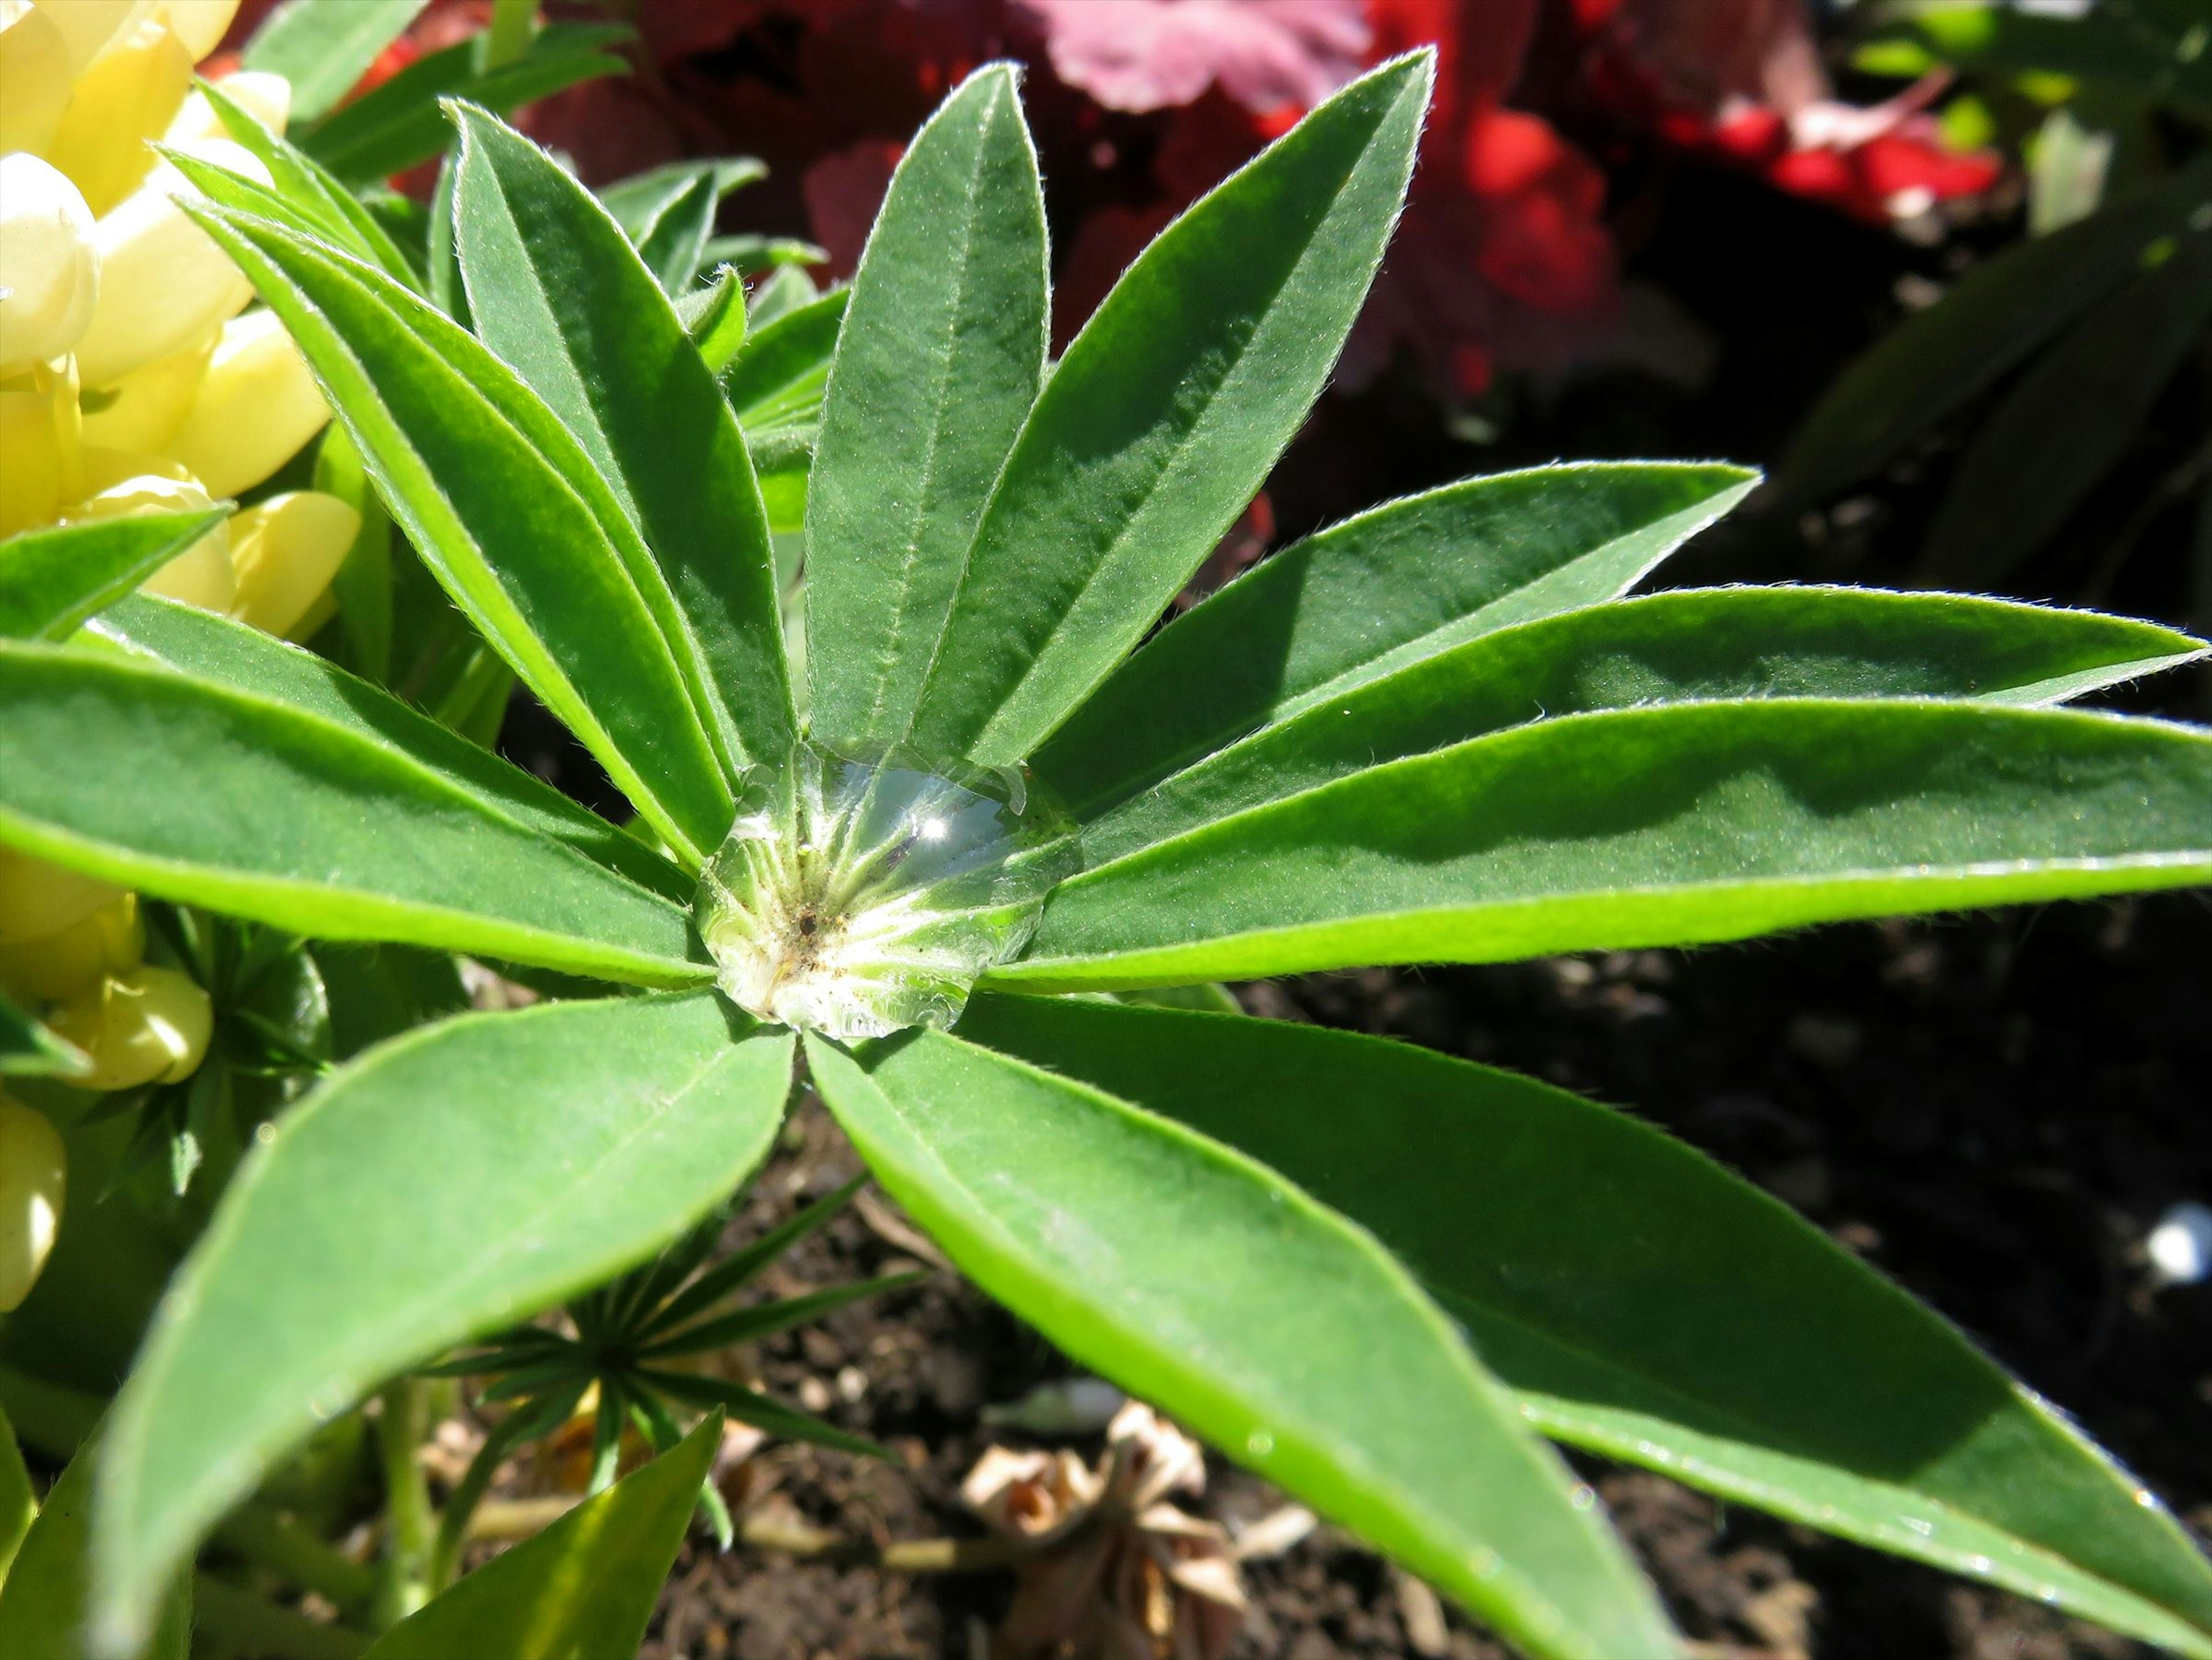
(272, 1539)
(508, 38)
(453, 1530)
(409, 1527)
(222, 1611)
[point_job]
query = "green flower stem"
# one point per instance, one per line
(226, 1614)
(272, 1539)
(410, 1528)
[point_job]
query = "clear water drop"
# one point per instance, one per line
(1259, 1443)
(1582, 1497)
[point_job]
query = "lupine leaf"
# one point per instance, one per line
(439, 1186)
(1211, 1287)
(27, 1048)
(42, 1598)
(678, 242)
(938, 360)
(1164, 417)
(18, 1503)
(204, 794)
(1393, 585)
(1690, 644)
(323, 50)
(557, 291)
(2133, 48)
(1559, 1233)
(52, 581)
(640, 202)
(1674, 825)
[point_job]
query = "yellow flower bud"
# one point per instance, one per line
(200, 24)
(90, 26)
(38, 899)
(34, 1170)
(112, 940)
(266, 97)
(163, 284)
(150, 404)
(150, 1025)
(129, 95)
(256, 409)
(41, 456)
(48, 275)
(35, 77)
(286, 551)
(126, 484)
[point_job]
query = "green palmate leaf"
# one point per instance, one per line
(52, 581)
(506, 509)
(28, 1049)
(1210, 1285)
(557, 291)
(640, 202)
(1691, 644)
(1937, 359)
(1164, 418)
(212, 648)
(765, 1319)
(761, 1411)
(42, 1599)
(2071, 417)
(1375, 593)
(443, 1184)
(399, 123)
(583, 1589)
(1559, 1234)
(1676, 825)
(18, 1505)
(677, 240)
(938, 361)
(322, 49)
(204, 795)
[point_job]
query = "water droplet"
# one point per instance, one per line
(1978, 1564)
(265, 1133)
(1582, 1497)
(1259, 1443)
(1926, 1529)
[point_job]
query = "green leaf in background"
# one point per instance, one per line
(28, 1048)
(2150, 48)
(1674, 825)
(459, 1178)
(775, 384)
(939, 359)
(43, 1600)
(753, 254)
(1558, 1232)
(399, 123)
(677, 241)
(1163, 417)
(1386, 588)
(641, 201)
(1937, 359)
(582, 1589)
(52, 581)
(1211, 1287)
(2071, 417)
(323, 49)
(786, 288)
(557, 291)
(206, 795)
(1688, 645)
(714, 317)
(506, 507)
(19, 1503)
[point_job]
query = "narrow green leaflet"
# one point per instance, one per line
(1688, 645)
(1558, 1232)
(18, 1505)
(43, 1602)
(1214, 1288)
(213, 648)
(714, 317)
(399, 123)
(1674, 825)
(941, 353)
(2071, 417)
(640, 202)
(1165, 416)
(1938, 360)
(498, 500)
(456, 1179)
(1393, 585)
(322, 49)
(206, 795)
(583, 1589)
(363, 584)
(557, 291)
(28, 1049)
(52, 581)
(776, 383)
(677, 241)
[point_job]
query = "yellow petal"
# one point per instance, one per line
(266, 97)
(112, 940)
(126, 484)
(285, 550)
(149, 404)
(89, 27)
(38, 900)
(34, 1173)
(163, 284)
(256, 409)
(129, 96)
(35, 77)
(49, 273)
(40, 447)
(150, 1025)
(200, 24)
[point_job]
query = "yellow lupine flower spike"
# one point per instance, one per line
(112, 940)
(32, 1175)
(129, 95)
(48, 275)
(150, 1025)
(35, 77)
(285, 550)
(255, 410)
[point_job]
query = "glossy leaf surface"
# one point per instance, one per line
(207, 795)
(1676, 825)
(52, 581)
(582, 1590)
(1208, 1284)
(1163, 417)
(459, 1177)
(941, 352)
(1560, 1234)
